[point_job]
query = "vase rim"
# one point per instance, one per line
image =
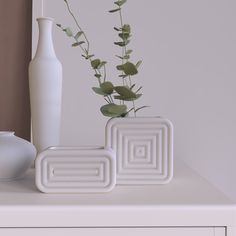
(45, 18)
(83, 147)
(7, 133)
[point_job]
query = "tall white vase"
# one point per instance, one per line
(45, 81)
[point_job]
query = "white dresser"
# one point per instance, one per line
(188, 206)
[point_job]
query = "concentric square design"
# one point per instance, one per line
(144, 149)
(76, 170)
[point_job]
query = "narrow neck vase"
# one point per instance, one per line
(45, 81)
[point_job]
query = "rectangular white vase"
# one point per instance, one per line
(144, 149)
(76, 170)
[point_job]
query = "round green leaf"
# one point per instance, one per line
(95, 63)
(113, 110)
(124, 35)
(68, 32)
(129, 51)
(98, 91)
(126, 28)
(125, 92)
(127, 99)
(103, 63)
(129, 68)
(107, 87)
(120, 2)
(78, 34)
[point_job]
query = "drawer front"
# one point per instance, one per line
(209, 231)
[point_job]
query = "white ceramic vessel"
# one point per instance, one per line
(16, 156)
(76, 170)
(45, 80)
(144, 149)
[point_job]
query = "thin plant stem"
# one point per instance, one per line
(111, 99)
(106, 100)
(76, 22)
(105, 73)
(134, 106)
(86, 51)
(124, 50)
(85, 36)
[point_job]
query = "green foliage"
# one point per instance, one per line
(114, 10)
(114, 110)
(98, 91)
(78, 35)
(95, 63)
(77, 43)
(129, 52)
(120, 3)
(98, 76)
(107, 88)
(111, 93)
(126, 28)
(125, 92)
(128, 68)
(138, 64)
(68, 32)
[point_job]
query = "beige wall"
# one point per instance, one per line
(15, 54)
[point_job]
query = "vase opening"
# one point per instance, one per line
(45, 18)
(7, 133)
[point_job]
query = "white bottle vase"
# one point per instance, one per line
(16, 156)
(45, 81)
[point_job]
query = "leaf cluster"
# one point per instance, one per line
(116, 96)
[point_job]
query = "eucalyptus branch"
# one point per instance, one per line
(76, 22)
(105, 73)
(123, 49)
(115, 96)
(124, 52)
(106, 100)
(81, 32)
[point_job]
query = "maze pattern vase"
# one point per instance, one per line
(76, 170)
(144, 149)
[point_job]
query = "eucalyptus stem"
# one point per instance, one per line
(124, 51)
(86, 51)
(112, 99)
(105, 73)
(106, 100)
(76, 22)
(121, 17)
(134, 106)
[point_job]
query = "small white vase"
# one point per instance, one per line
(45, 80)
(16, 156)
(75, 170)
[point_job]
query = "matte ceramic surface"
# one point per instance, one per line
(45, 79)
(144, 149)
(16, 156)
(76, 170)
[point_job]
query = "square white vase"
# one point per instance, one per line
(144, 149)
(76, 170)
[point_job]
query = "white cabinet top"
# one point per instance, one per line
(188, 200)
